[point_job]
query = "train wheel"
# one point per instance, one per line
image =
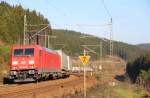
(5, 81)
(50, 77)
(8, 81)
(59, 75)
(54, 76)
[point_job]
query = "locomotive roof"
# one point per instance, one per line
(49, 50)
(26, 46)
(43, 48)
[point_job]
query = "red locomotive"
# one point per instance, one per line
(32, 63)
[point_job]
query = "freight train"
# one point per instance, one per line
(35, 63)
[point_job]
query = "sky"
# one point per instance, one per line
(131, 18)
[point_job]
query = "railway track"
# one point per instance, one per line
(32, 85)
(32, 91)
(45, 88)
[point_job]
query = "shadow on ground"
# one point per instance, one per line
(120, 78)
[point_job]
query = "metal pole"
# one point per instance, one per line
(24, 34)
(45, 39)
(101, 54)
(111, 37)
(101, 49)
(48, 41)
(84, 77)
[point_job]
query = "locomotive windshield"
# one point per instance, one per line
(29, 51)
(24, 52)
(18, 52)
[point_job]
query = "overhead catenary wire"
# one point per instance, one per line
(66, 16)
(63, 13)
(106, 9)
(76, 26)
(95, 26)
(52, 5)
(110, 27)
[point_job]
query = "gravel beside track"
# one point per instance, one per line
(47, 89)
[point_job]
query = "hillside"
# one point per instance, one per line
(72, 45)
(144, 46)
(11, 32)
(12, 22)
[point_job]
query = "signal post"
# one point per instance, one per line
(84, 59)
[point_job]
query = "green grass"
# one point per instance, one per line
(4, 59)
(4, 54)
(122, 90)
(127, 91)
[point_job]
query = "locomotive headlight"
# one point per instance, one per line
(14, 67)
(14, 62)
(31, 62)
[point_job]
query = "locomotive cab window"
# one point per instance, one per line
(29, 51)
(18, 52)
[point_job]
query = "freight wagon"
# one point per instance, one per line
(66, 62)
(35, 63)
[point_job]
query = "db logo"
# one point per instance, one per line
(23, 62)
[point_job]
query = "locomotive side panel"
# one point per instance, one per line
(49, 61)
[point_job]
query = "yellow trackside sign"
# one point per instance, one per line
(84, 59)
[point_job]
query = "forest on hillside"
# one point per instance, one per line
(12, 22)
(139, 71)
(73, 45)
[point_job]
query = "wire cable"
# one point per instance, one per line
(106, 9)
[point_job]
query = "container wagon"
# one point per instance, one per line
(66, 62)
